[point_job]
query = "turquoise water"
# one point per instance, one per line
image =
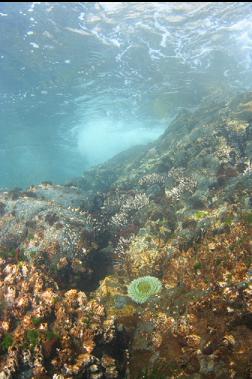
(80, 82)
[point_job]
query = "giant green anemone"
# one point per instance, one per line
(141, 289)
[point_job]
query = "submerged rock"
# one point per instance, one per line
(178, 209)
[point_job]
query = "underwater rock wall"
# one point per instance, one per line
(179, 209)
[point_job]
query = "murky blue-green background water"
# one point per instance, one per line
(80, 82)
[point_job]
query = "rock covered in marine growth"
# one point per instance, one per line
(178, 210)
(48, 332)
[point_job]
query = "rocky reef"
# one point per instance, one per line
(179, 211)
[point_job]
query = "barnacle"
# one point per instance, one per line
(141, 289)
